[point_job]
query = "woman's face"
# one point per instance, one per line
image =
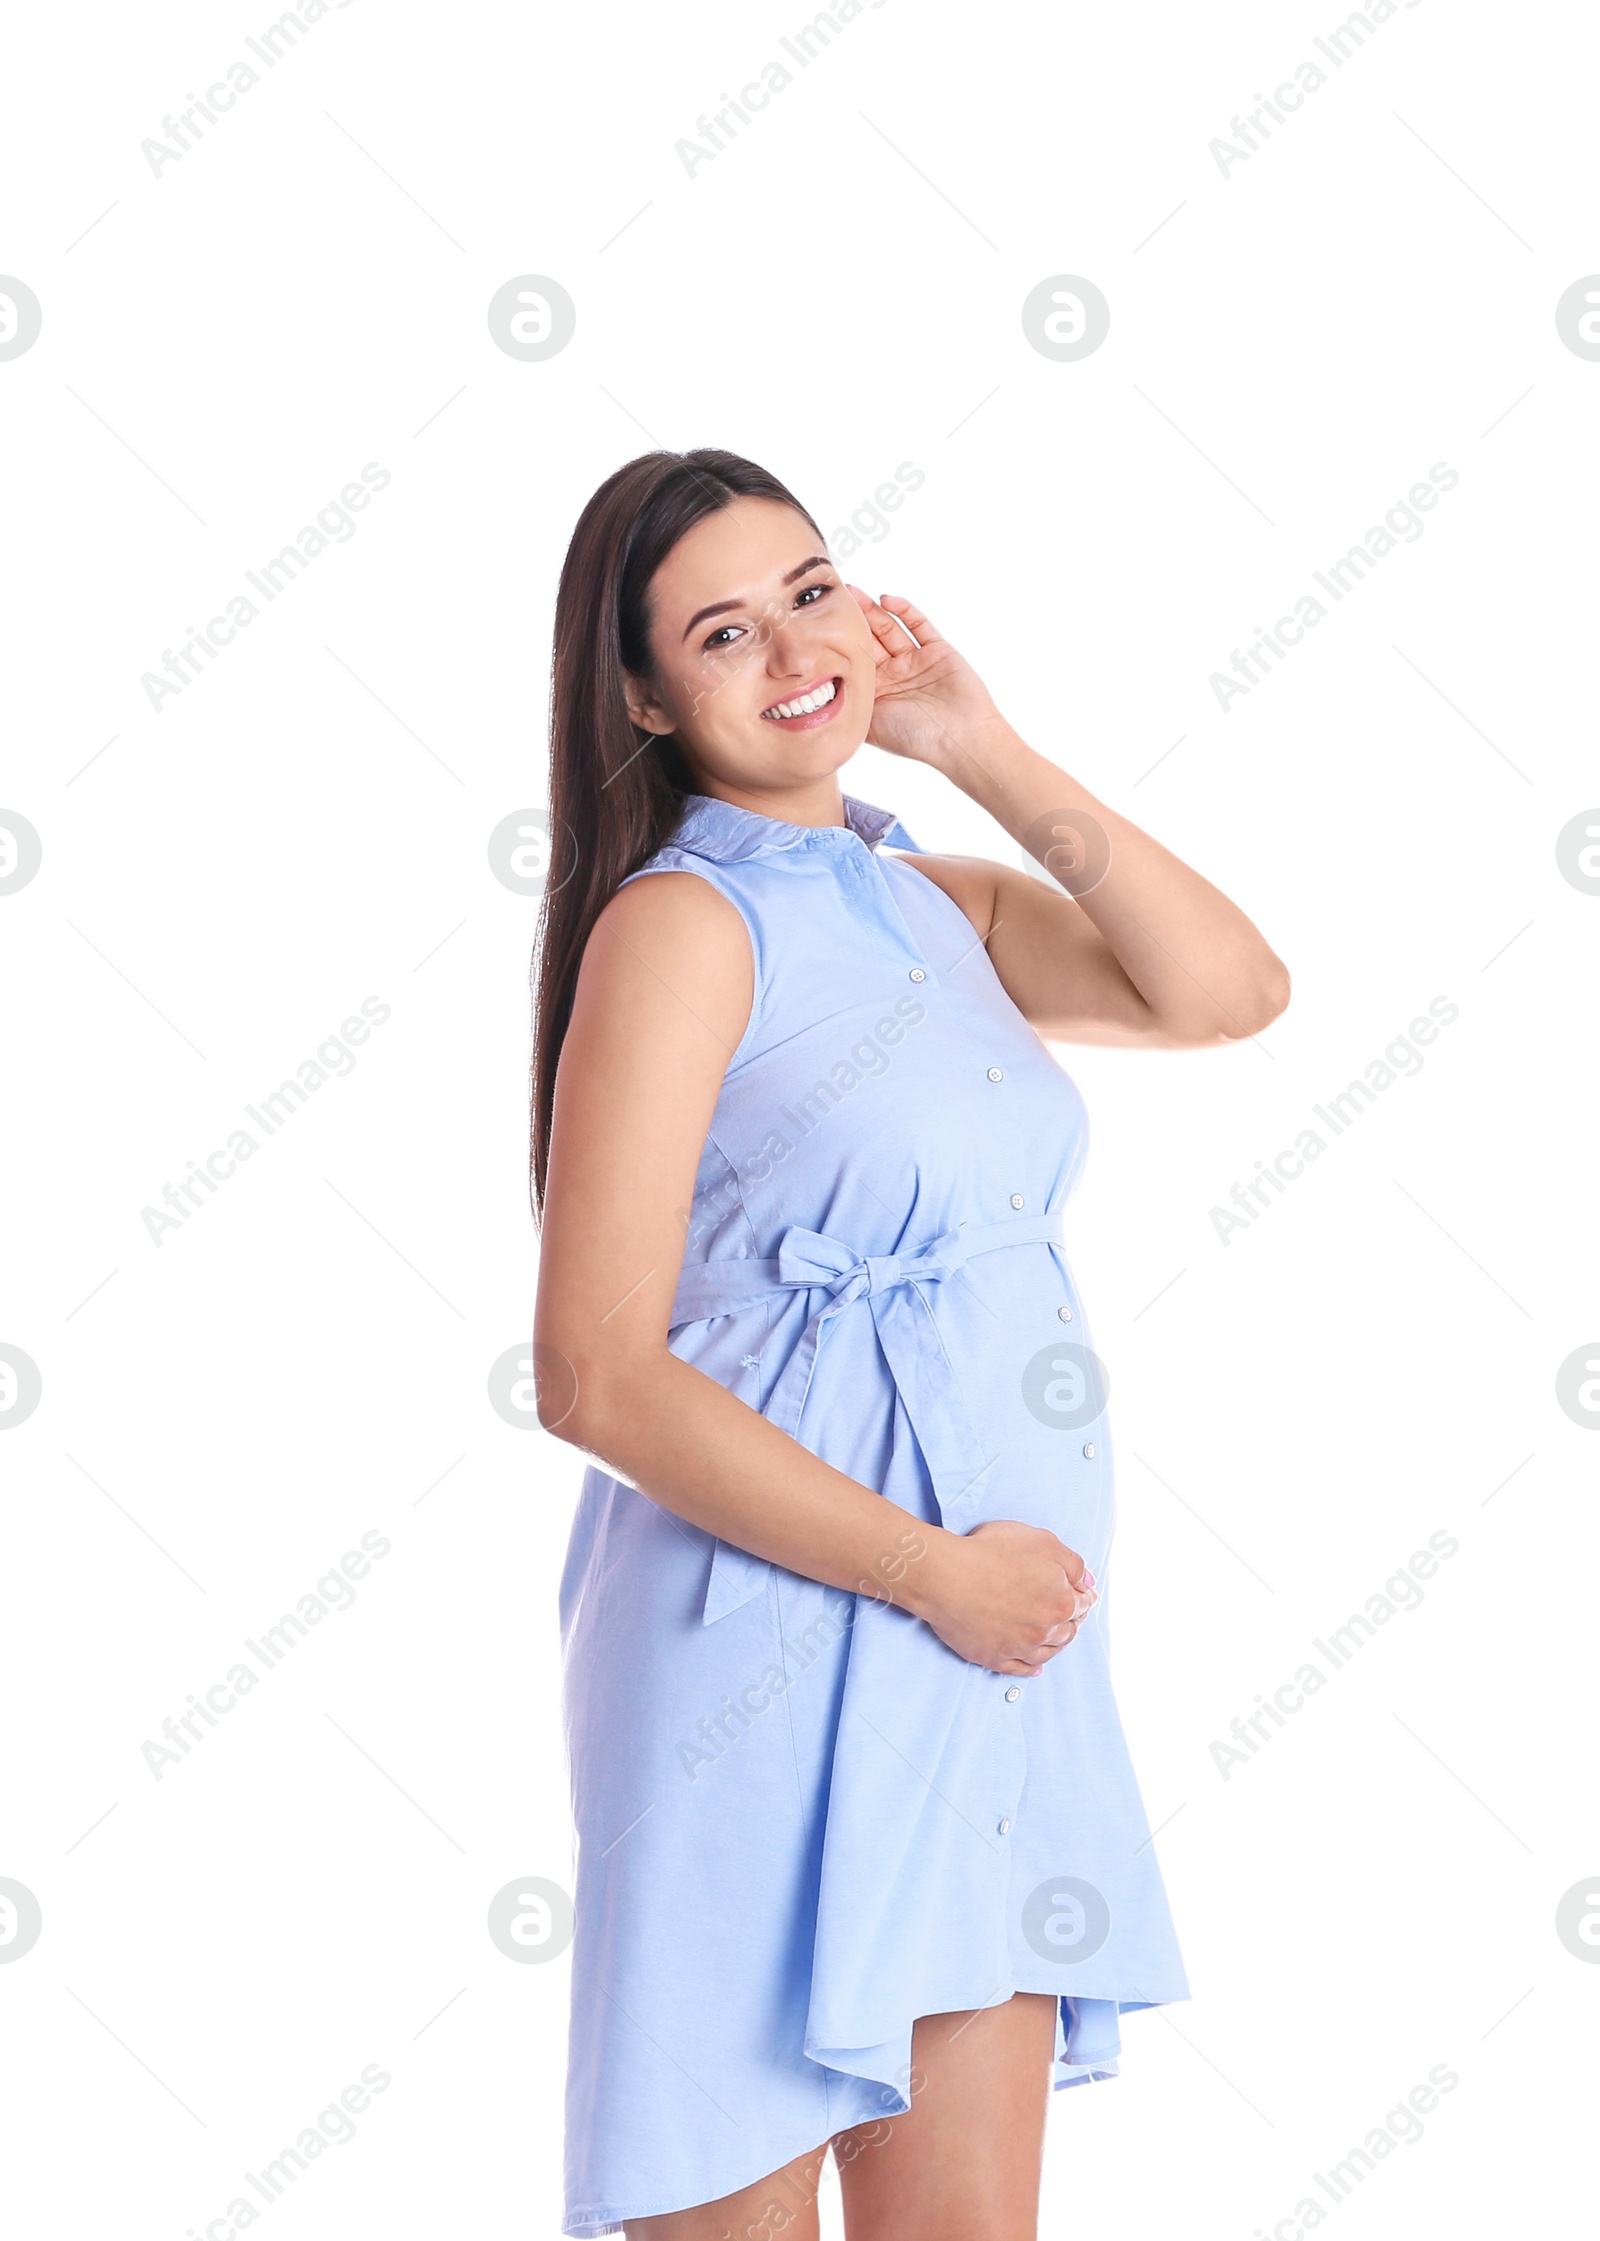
(748, 617)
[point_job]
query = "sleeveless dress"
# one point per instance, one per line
(802, 1820)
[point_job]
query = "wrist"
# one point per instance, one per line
(931, 1554)
(983, 756)
(1015, 783)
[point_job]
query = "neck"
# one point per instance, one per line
(818, 801)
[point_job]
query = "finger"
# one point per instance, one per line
(880, 652)
(877, 615)
(911, 618)
(899, 658)
(888, 633)
(885, 629)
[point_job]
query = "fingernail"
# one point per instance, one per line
(1088, 1577)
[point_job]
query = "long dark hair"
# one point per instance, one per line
(616, 792)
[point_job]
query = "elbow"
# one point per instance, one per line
(1236, 1004)
(590, 1401)
(558, 1393)
(1267, 1000)
(1277, 991)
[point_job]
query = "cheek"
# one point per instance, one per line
(691, 679)
(851, 631)
(715, 698)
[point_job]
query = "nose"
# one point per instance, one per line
(786, 653)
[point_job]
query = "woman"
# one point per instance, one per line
(862, 1860)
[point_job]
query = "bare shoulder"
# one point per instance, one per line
(669, 957)
(662, 1001)
(971, 882)
(674, 905)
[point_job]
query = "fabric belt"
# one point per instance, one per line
(893, 1286)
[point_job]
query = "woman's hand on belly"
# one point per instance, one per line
(1006, 1596)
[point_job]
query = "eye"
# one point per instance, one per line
(720, 638)
(812, 593)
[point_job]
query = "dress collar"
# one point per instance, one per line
(725, 833)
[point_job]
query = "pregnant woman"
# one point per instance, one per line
(862, 1861)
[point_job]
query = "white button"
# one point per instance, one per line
(1016, 1198)
(1065, 1314)
(917, 973)
(1089, 1450)
(995, 1074)
(1012, 1695)
(1005, 1828)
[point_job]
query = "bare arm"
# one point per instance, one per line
(662, 1000)
(1132, 946)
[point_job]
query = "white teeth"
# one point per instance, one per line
(819, 699)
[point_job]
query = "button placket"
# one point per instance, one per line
(1009, 1767)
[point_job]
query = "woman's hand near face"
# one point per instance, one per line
(1133, 947)
(930, 701)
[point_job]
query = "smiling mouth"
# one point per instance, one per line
(807, 707)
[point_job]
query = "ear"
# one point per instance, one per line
(643, 707)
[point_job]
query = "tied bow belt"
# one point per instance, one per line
(892, 1285)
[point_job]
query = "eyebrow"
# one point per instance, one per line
(727, 606)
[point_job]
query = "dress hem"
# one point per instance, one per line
(594, 2225)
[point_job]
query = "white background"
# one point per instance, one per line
(306, 1358)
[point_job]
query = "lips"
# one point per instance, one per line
(815, 705)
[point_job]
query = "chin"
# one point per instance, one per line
(822, 757)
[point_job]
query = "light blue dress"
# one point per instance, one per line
(803, 1821)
